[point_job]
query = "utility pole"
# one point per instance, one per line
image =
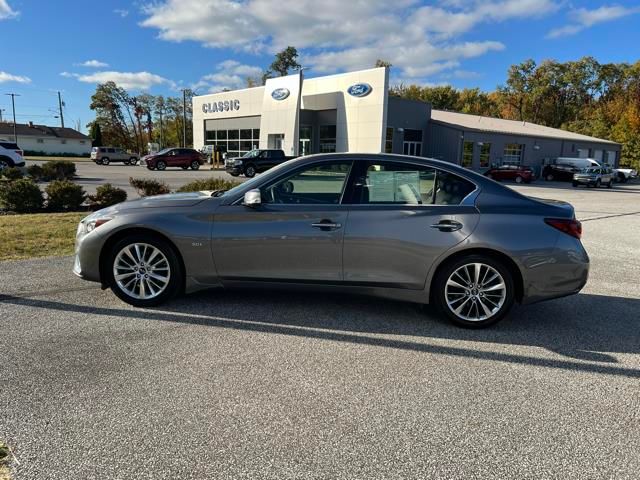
(13, 105)
(184, 117)
(60, 106)
(1, 110)
(161, 132)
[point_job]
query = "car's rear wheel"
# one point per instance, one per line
(105, 161)
(195, 165)
(474, 291)
(133, 161)
(250, 171)
(5, 164)
(144, 270)
(519, 179)
(575, 184)
(549, 177)
(161, 165)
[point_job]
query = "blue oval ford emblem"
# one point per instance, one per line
(280, 93)
(359, 90)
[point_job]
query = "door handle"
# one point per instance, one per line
(447, 225)
(326, 225)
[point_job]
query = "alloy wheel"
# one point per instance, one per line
(475, 292)
(141, 271)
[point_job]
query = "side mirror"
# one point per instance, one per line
(252, 198)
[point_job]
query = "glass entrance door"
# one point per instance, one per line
(304, 147)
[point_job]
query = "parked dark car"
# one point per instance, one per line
(255, 161)
(400, 227)
(174, 157)
(560, 172)
(517, 173)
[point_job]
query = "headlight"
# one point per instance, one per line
(90, 223)
(237, 162)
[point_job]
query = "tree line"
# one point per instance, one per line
(583, 96)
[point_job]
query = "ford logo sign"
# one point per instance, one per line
(359, 90)
(280, 93)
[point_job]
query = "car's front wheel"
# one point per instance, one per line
(195, 165)
(105, 161)
(144, 271)
(250, 171)
(161, 165)
(474, 291)
(519, 179)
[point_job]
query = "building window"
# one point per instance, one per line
(327, 138)
(82, 142)
(40, 140)
(467, 155)
(412, 144)
(388, 143)
(512, 154)
(235, 142)
(63, 141)
(485, 155)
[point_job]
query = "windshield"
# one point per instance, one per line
(257, 179)
(591, 170)
(251, 154)
(164, 150)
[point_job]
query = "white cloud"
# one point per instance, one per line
(122, 12)
(93, 64)
(6, 11)
(340, 35)
(126, 80)
(68, 74)
(8, 77)
(582, 18)
(229, 75)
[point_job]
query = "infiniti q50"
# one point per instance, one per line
(400, 227)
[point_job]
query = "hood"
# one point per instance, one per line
(170, 200)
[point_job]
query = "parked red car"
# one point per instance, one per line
(174, 157)
(517, 173)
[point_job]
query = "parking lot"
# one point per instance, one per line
(271, 385)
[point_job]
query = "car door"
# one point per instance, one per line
(173, 158)
(403, 216)
(295, 234)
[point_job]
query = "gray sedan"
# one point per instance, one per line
(400, 227)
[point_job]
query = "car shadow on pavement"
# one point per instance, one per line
(584, 329)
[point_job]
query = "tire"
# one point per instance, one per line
(549, 177)
(250, 170)
(161, 165)
(610, 184)
(234, 174)
(519, 179)
(105, 161)
(184, 168)
(598, 183)
(195, 165)
(166, 263)
(575, 184)
(5, 162)
(126, 162)
(133, 161)
(499, 302)
(490, 176)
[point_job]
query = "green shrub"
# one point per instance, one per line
(58, 170)
(147, 187)
(64, 195)
(12, 173)
(107, 195)
(21, 196)
(35, 172)
(212, 184)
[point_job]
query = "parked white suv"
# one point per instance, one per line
(10, 155)
(107, 155)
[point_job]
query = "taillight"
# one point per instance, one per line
(569, 226)
(19, 152)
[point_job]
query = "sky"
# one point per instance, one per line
(161, 46)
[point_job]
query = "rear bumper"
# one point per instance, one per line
(565, 274)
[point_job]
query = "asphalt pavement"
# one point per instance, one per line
(248, 385)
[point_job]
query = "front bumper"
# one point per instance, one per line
(233, 169)
(585, 180)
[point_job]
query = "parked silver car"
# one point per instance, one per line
(107, 155)
(400, 227)
(594, 177)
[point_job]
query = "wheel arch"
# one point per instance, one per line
(120, 234)
(513, 267)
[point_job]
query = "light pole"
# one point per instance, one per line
(184, 117)
(13, 105)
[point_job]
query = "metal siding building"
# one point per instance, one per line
(480, 142)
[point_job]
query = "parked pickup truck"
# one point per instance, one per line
(623, 175)
(255, 161)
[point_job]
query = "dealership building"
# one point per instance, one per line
(353, 112)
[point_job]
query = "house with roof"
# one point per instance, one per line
(44, 140)
(479, 142)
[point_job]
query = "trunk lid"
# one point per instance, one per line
(563, 209)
